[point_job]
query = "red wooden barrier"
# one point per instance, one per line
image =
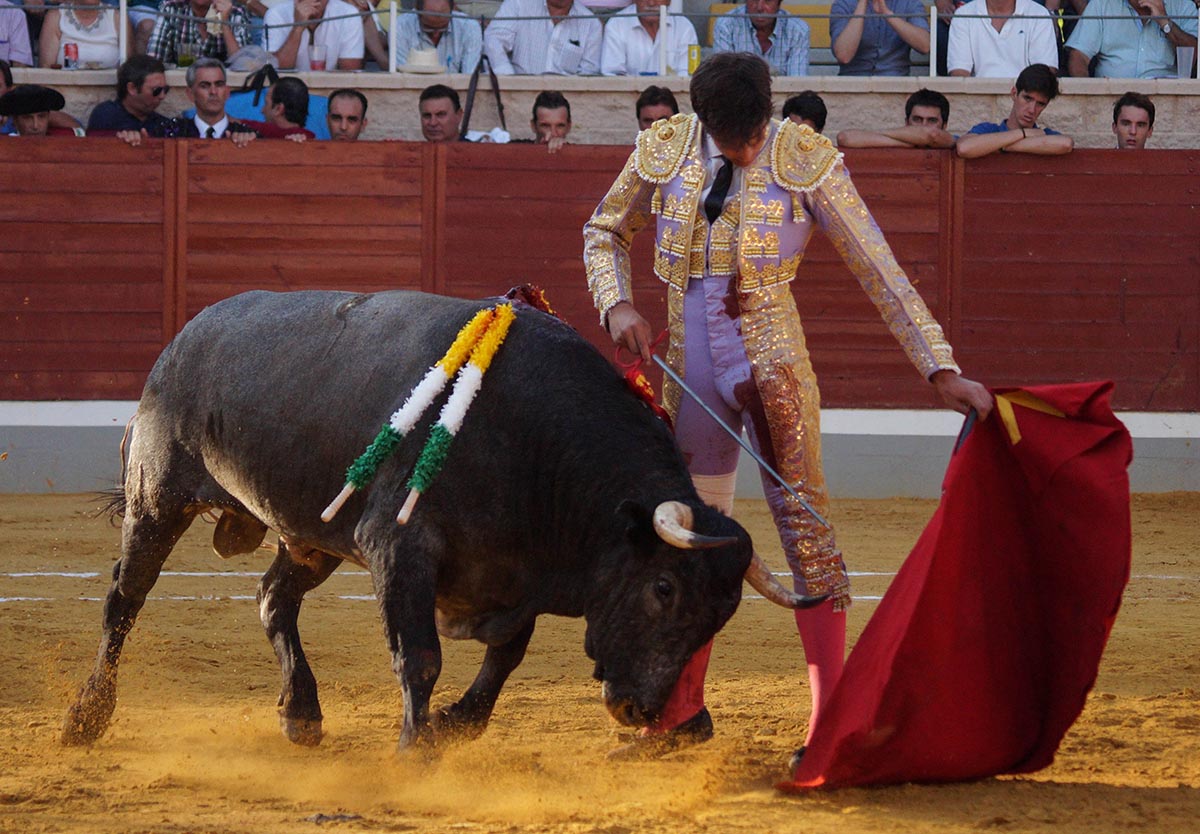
(1041, 270)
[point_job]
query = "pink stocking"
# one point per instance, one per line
(823, 633)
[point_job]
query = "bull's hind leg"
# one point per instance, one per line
(147, 536)
(469, 717)
(280, 594)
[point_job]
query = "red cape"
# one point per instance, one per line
(983, 650)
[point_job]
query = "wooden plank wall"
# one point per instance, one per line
(1041, 270)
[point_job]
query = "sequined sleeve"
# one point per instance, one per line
(608, 235)
(842, 214)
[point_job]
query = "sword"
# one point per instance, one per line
(738, 437)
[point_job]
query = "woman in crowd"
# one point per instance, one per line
(88, 24)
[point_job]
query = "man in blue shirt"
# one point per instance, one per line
(871, 38)
(1131, 38)
(141, 88)
(762, 28)
(1036, 87)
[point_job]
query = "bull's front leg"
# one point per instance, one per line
(469, 717)
(280, 594)
(406, 590)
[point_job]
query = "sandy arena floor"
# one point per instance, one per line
(195, 745)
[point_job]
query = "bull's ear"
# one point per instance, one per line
(639, 524)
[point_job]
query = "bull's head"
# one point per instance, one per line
(676, 581)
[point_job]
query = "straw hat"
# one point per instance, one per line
(424, 61)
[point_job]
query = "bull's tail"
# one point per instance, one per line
(114, 499)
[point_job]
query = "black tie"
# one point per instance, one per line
(715, 201)
(210, 133)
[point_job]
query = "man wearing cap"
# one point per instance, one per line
(333, 24)
(141, 88)
(30, 106)
(457, 38)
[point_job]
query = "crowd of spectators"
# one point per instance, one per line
(981, 38)
(274, 107)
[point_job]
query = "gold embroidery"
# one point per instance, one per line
(757, 180)
(801, 159)
(754, 277)
(656, 202)
(662, 150)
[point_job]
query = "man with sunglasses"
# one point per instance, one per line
(141, 88)
(436, 25)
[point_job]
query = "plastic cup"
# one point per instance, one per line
(1184, 57)
(316, 57)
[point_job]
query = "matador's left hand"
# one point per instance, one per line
(963, 394)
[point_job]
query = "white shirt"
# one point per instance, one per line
(629, 49)
(342, 38)
(536, 47)
(218, 129)
(976, 46)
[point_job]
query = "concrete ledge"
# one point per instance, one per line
(56, 447)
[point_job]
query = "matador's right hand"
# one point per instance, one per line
(630, 330)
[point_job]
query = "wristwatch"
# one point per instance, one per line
(1167, 27)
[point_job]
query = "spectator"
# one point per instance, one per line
(564, 40)
(30, 106)
(329, 23)
(761, 27)
(347, 116)
(926, 114)
(1133, 121)
(15, 47)
(878, 39)
(806, 108)
(653, 104)
(90, 25)
(245, 104)
(551, 120)
(1036, 87)
(141, 88)
(143, 17)
(284, 111)
(374, 39)
(441, 114)
(1125, 44)
(457, 38)
(183, 29)
(632, 41)
(207, 90)
(999, 38)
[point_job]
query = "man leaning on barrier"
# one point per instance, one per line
(141, 89)
(926, 114)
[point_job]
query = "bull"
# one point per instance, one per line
(562, 494)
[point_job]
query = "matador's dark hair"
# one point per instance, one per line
(731, 93)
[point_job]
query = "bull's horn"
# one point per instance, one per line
(762, 580)
(673, 524)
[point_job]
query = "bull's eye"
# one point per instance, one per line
(663, 588)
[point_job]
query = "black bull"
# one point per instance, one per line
(544, 505)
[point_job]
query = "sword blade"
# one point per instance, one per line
(738, 437)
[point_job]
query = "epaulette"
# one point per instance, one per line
(801, 158)
(662, 148)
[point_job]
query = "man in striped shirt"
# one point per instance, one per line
(532, 37)
(761, 27)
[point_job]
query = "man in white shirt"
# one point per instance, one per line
(999, 38)
(632, 41)
(564, 39)
(342, 35)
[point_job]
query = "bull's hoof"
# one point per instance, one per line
(454, 723)
(696, 730)
(87, 719)
(303, 731)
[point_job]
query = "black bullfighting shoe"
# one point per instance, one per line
(696, 730)
(796, 757)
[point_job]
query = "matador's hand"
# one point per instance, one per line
(963, 394)
(629, 329)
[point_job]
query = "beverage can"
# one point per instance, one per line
(70, 56)
(693, 58)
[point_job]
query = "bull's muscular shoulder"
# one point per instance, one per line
(662, 148)
(801, 158)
